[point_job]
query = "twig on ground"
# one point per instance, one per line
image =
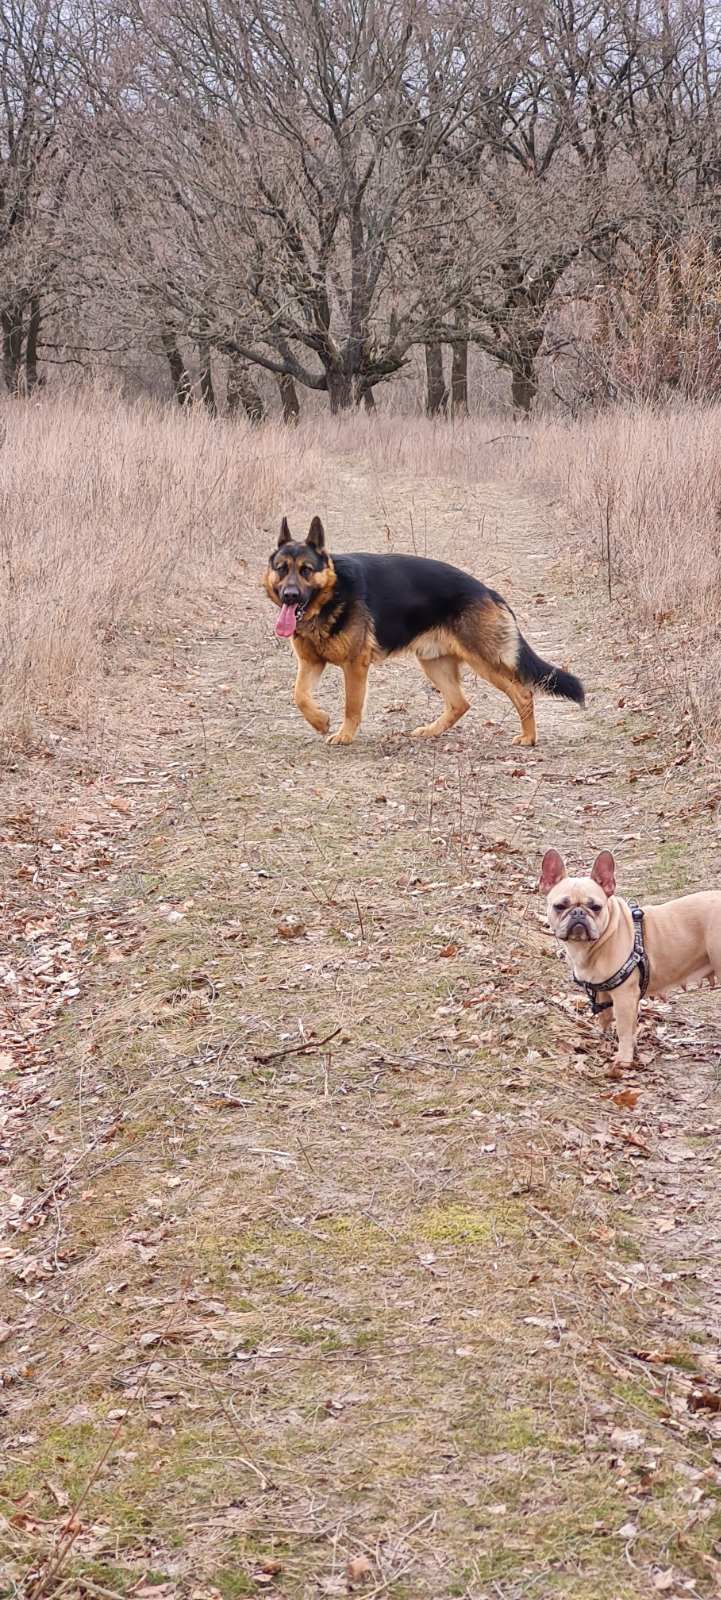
(296, 1049)
(72, 1525)
(360, 918)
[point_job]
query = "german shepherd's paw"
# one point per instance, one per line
(341, 737)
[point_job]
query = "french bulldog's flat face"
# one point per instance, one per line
(578, 907)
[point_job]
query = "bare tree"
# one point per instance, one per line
(275, 194)
(314, 187)
(34, 85)
(542, 146)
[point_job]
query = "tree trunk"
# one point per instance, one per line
(31, 347)
(436, 391)
(289, 398)
(363, 394)
(241, 392)
(207, 392)
(340, 390)
(178, 372)
(459, 378)
(12, 331)
(524, 383)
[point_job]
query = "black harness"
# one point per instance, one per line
(637, 958)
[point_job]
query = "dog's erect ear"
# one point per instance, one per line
(552, 871)
(285, 534)
(316, 536)
(603, 872)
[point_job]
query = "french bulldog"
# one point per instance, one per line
(682, 939)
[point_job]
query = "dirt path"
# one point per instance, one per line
(346, 1246)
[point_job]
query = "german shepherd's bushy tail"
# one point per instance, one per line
(550, 680)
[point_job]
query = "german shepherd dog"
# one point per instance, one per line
(354, 611)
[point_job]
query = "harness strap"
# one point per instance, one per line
(637, 958)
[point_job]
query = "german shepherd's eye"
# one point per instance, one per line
(281, 567)
(306, 571)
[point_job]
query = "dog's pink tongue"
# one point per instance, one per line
(285, 625)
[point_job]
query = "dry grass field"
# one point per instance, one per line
(118, 525)
(343, 1263)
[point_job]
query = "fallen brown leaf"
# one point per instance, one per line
(358, 1569)
(704, 1400)
(633, 1139)
(58, 1494)
(626, 1097)
(654, 1356)
(290, 927)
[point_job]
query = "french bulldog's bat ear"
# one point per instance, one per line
(552, 871)
(603, 872)
(285, 535)
(316, 535)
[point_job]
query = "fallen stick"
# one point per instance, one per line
(296, 1049)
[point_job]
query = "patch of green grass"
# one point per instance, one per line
(67, 1454)
(483, 1432)
(516, 1430)
(365, 1338)
(634, 1394)
(669, 871)
(308, 1336)
(354, 1238)
(331, 1344)
(262, 1254)
(628, 1248)
(683, 1360)
(562, 1541)
(232, 1583)
(457, 1224)
(110, 1576)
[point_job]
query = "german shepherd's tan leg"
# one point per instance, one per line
(504, 678)
(356, 681)
(444, 673)
(310, 670)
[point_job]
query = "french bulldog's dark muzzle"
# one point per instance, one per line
(578, 924)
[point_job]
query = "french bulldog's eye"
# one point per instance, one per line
(593, 905)
(561, 905)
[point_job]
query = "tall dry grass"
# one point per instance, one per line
(114, 518)
(643, 488)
